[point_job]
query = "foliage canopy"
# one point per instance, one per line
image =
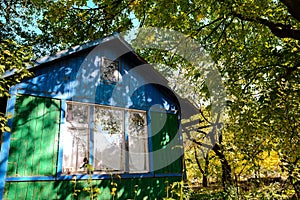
(255, 45)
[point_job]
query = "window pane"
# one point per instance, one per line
(110, 70)
(108, 139)
(138, 142)
(77, 114)
(76, 138)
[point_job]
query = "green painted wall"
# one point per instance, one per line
(166, 143)
(146, 188)
(34, 148)
(33, 145)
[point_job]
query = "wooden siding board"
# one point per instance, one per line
(49, 137)
(30, 191)
(172, 149)
(56, 118)
(63, 189)
(37, 130)
(146, 188)
(138, 98)
(16, 142)
(50, 131)
(21, 190)
(166, 141)
(23, 136)
(37, 135)
(14, 188)
(66, 77)
(156, 125)
(47, 191)
(12, 191)
(34, 187)
(58, 77)
(133, 86)
(176, 166)
(107, 94)
(63, 107)
(150, 142)
(7, 191)
(28, 164)
(33, 150)
(14, 147)
(26, 139)
(46, 140)
(74, 65)
(162, 102)
(43, 141)
(51, 81)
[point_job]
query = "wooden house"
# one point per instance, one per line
(93, 116)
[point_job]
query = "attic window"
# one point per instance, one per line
(110, 70)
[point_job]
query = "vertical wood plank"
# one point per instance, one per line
(26, 106)
(34, 146)
(45, 139)
(21, 190)
(37, 136)
(30, 190)
(30, 136)
(7, 191)
(52, 136)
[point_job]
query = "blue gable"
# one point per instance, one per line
(77, 77)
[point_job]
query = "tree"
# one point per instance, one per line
(254, 43)
(15, 54)
(257, 47)
(65, 23)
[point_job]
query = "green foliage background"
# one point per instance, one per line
(255, 45)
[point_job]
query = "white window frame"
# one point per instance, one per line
(126, 154)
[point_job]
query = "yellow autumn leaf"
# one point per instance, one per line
(7, 52)
(200, 17)
(294, 49)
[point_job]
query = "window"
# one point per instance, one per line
(137, 142)
(110, 139)
(109, 70)
(76, 138)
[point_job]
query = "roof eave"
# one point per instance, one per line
(64, 53)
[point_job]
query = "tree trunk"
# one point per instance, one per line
(226, 169)
(204, 171)
(205, 174)
(204, 181)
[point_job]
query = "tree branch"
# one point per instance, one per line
(202, 114)
(214, 29)
(223, 31)
(205, 25)
(293, 7)
(278, 29)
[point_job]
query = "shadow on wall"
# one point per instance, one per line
(33, 149)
